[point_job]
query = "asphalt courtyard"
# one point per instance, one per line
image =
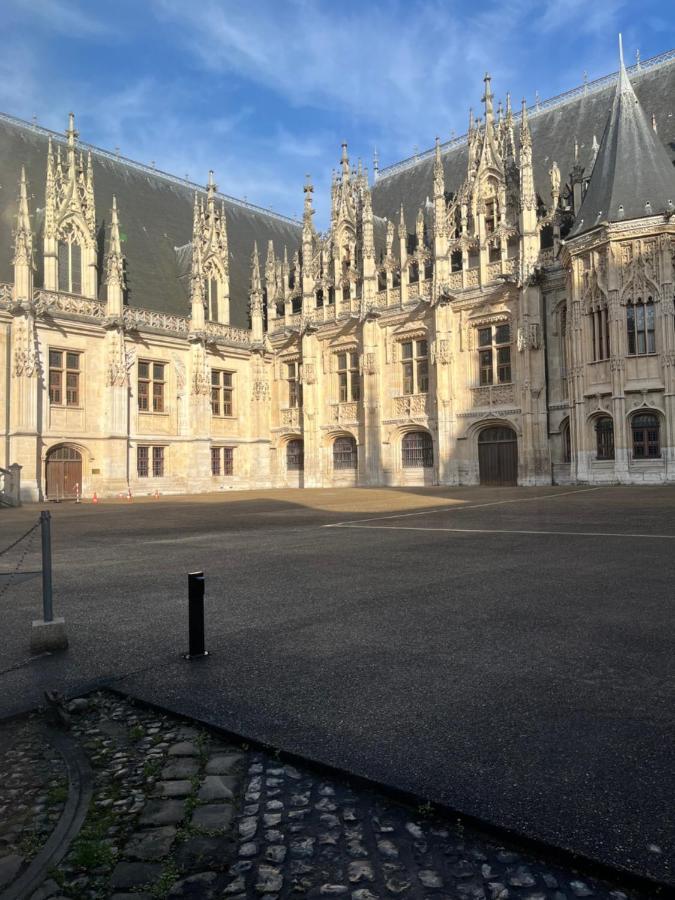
(505, 652)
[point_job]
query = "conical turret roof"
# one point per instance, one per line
(633, 176)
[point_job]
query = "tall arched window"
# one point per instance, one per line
(646, 436)
(566, 442)
(417, 450)
(600, 332)
(604, 436)
(640, 327)
(212, 294)
(70, 265)
(344, 453)
(295, 456)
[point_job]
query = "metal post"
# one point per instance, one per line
(196, 615)
(45, 525)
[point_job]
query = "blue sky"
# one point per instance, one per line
(264, 92)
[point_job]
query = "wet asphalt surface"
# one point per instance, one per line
(511, 660)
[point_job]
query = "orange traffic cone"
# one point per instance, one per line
(156, 495)
(94, 499)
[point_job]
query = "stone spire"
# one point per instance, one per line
(255, 298)
(528, 197)
(114, 269)
(197, 274)
(23, 246)
(619, 189)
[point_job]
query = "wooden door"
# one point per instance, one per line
(63, 474)
(498, 456)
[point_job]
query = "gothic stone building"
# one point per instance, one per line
(498, 310)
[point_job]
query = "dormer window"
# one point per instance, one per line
(70, 265)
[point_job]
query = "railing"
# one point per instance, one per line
(291, 417)
(345, 412)
(590, 87)
(229, 333)
(58, 137)
(138, 319)
(493, 395)
(410, 405)
(52, 301)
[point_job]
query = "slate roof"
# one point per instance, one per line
(554, 129)
(155, 212)
(633, 174)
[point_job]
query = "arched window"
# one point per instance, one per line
(344, 453)
(70, 265)
(646, 436)
(600, 332)
(566, 443)
(640, 327)
(417, 450)
(604, 436)
(295, 456)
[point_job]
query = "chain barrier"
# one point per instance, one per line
(26, 550)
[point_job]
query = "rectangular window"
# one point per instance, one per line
(294, 386)
(349, 380)
(145, 456)
(64, 378)
(142, 461)
(222, 393)
(494, 355)
(640, 328)
(215, 460)
(151, 386)
(222, 460)
(415, 367)
(158, 462)
(70, 267)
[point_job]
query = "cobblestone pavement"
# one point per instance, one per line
(33, 790)
(178, 812)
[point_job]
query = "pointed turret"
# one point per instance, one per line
(528, 197)
(23, 246)
(197, 276)
(633, 176)
(114, 268)
(255, 298)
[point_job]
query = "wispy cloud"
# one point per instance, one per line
(66, 17)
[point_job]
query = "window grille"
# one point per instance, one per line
(604, 434)
(646, 436)
(295, 457)
(417, 450)
(344, 453)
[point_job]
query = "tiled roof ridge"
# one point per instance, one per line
(590, 87)
(142, 167)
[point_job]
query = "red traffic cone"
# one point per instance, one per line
(94, 499)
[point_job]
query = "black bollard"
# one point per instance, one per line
(196, 615)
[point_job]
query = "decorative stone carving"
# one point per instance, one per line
(308, 373)
(26, 358)
(410, 405)
(369, 364)
(120, 363)
(528, 337)
(291, 417)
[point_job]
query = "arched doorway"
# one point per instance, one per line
(63, 473)
(498, 455)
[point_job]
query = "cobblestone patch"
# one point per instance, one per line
(33, 792)
(180, 813)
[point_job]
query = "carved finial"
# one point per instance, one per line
(255, 270)
(344, 161)
(71, 134)
(376, 164)
(525, 136)
(308, 212)
(487, 99)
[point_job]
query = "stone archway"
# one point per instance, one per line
(498, 455)
(63, 473)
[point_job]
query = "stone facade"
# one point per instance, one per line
(494, 338)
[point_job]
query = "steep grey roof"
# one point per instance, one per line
(633, 174)
(155, 213)
(553, 129)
